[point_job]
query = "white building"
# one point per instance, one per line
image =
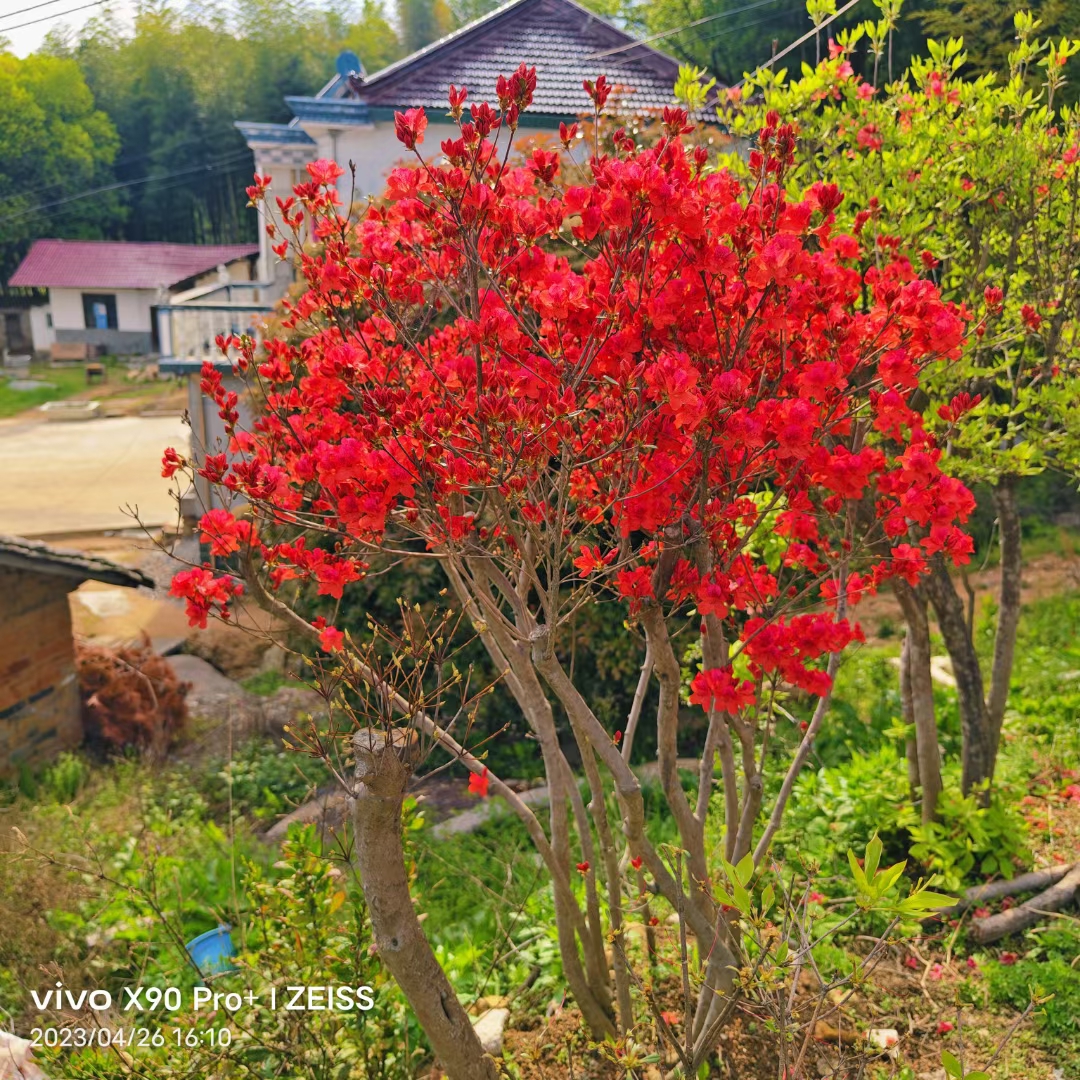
(111, 295)
(351, 119)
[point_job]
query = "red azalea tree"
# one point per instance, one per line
(565, 392)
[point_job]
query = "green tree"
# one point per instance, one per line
(977, 180)
(728, 38)
(175, 87)
(53, 140)
(424, 21)
(987, 26)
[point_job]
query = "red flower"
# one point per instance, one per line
(331, 640)
(1031, 318)
(324, 171)
(478, 783)
(409, 127)
(944, 1027)
(583, 867)
(671, 1018)
(636, 863)
(170, 462)
(993, 297)
(717, 690)
(1008, 958)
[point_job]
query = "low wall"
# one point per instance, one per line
(113, 342)
(39, 693)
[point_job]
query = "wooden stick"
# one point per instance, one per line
(995, 890)
(1028, 914)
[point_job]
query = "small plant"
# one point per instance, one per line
(65, 778)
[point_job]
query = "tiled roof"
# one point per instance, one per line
(30, 555)
(278, 134)
(120, 264)
(328, 110)
(563, 40)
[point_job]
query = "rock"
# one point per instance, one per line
(486, 1004)
(885, 1038)
(17, 1059)
(327, 810)
(288, 704)
(489, 1030)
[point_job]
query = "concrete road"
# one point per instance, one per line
(74, 477)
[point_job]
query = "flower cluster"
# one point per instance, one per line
(638, 369)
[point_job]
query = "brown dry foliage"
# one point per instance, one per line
(131, 697)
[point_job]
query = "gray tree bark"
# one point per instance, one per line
(383, 766)
(921, 685)
(977, 755)
(982, 714)
(1008, 611)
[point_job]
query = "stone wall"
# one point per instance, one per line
(39, 693)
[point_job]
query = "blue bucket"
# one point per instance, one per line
(212, 951)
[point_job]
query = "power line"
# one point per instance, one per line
(230, 159)
(795, 44)
(32, 7)
(679, 29)
(713, 35)
(46, 18)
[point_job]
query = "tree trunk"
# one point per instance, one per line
(382, 770)
(977, 751)
(921, 686)
(907, 712)
(1008, 612)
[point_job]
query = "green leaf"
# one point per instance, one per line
(857, 872)
(745, 870)
(952, 1066)
(873, 857)
(768, 895)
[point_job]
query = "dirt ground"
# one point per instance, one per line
(79, 476)
(913, 991)
(1046, 575)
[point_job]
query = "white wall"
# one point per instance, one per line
(67, 309)
(41, 333)
(132, 308)
(373, 150)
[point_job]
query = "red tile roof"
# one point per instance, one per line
(120, 264)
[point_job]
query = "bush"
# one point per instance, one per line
(131, 698)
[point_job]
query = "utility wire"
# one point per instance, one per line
(795, 44)
(229, 160)
(712, 35)
(118, 165)
(679, 29)
(46, 18)
(32, 7)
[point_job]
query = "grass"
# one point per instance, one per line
(65, 381)
(487, 901)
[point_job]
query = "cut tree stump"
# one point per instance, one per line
(1030, 912)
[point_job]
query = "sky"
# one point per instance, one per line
(33, 19)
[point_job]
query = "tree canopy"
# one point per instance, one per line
(53, 140)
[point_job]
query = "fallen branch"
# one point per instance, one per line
(1028, 914)
(1034, 881)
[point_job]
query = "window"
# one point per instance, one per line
(99, 311)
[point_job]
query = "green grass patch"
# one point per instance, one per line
(65, 382)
